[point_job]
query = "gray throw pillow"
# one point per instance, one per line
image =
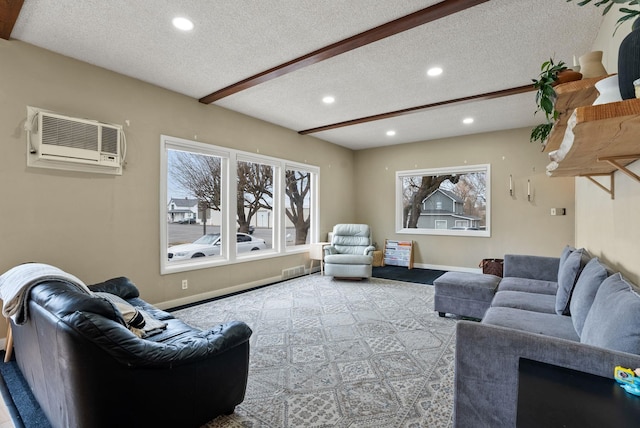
(613, 320)
(563, 256)
(567, 276)
(593, 274)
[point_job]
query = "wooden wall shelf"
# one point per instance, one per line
(601, 139)
(569, 96)
(601, 131)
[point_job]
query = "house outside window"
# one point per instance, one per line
(444, 201)
(441, 224)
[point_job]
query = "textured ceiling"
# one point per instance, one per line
(495, 45)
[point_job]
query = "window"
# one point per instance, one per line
(194, 192)
(210, 194)
(298, 201)
(444, 201)
(255, 200)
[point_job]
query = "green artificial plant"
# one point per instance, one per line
(628, 14)
(545, 98)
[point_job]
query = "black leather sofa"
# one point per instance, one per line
(86, 369)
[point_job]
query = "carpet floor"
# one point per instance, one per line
(328, 353)
(331, 353)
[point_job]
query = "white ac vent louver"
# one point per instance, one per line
(63, 142)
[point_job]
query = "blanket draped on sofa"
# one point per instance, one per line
(16, 283)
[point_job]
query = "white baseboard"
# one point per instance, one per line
(447, 268)
(215, 293)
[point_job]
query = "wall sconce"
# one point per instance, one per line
(510, 185)
(529, 190)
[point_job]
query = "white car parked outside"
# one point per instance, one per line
(209, 245)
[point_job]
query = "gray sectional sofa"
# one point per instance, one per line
(571, 311)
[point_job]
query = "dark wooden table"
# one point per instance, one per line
(551, 396)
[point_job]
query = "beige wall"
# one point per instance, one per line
(517, 226)
(609, 228)
(97, 226)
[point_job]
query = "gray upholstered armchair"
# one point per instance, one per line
(350, 252)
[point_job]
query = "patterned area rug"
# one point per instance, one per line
(330, 353)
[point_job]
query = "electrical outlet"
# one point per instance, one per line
(185, 284)
(558, 211)
(553, 211)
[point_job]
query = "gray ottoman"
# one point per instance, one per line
(464, 294)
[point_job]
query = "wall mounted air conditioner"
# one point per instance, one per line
(62, 142)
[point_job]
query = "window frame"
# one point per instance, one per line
(464, 169)
(277, 189)
(230, 158)
(314, 205)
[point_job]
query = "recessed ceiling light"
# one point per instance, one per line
(328, 99)
(391, 133)
(434, 71)
(467, 121)
(182, 23)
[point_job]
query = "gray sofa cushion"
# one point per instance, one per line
(528, 285)
(555, 325)
(466, 285)
(532, 267)
(593, 274)
(544, 303)
(566, 251)
(613, 320)
(568, 274)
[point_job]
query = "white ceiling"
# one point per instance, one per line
(496, 45)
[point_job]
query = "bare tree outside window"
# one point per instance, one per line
(444, 201)
(415, 190)
(255, 199)
(194, 191)
(298, 193)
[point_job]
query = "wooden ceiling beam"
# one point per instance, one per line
(423, 16)
(410, 110)
(9, 11)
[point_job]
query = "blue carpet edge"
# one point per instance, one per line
(8, 400)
